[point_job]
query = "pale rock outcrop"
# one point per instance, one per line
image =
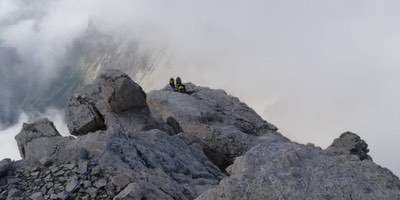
(294, 171)
(224, 126)
(38, 141)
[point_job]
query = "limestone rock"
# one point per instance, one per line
(83, 117)
(120, 181)
(104, 104)
(224, 126)
(158, 158)
(350, 143)
(293, 171)
(36, 196)
(71, 185)
(126, 94)
(40, 129)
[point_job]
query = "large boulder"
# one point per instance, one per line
(83, 116)
(224, 126)
(40, 129)
(124, 93)
(112, 101)
(350, 143)
(294, 171)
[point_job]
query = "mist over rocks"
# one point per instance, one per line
(79, 62)
(203, 145)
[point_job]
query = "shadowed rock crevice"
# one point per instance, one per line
(176, 127)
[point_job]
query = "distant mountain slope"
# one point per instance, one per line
(24, 89)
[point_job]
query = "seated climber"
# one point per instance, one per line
(180, 87)
(172, 83)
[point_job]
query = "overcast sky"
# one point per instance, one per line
(315, 68)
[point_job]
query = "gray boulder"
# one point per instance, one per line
(83, 117)
(124, 94)
(350, 143)
(293, 171)
(40, 129)
(113, 101)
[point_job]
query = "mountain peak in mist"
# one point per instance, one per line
(204, 145)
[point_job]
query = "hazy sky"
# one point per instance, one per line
(315, 68)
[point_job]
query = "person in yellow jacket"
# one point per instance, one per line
(172, 83)
(180, 87)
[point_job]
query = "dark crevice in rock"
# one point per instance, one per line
(174, 124)
(217, 159)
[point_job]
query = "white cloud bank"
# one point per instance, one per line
(314, 68)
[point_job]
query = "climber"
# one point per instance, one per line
(178, 81)
(180, 87)
(172, 83)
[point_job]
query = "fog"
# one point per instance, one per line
(313, 68)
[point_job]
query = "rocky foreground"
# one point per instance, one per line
(171, 146)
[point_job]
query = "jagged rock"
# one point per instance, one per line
(5, 166)
(125, 94)
(83, 117)
(213, 119)
(40, 129)
(37, 196)
(120, 181)
(100, 183)
(71, 185)
(104, 104)
(350, 143)
(293, 171)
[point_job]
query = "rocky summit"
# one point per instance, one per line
(204, 144)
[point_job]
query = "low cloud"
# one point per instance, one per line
(315, 68)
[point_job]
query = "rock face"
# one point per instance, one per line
(203, 145)
(293, 171)
(224, 126)
(36, 140)
(350, 143)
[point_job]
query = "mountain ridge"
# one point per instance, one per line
(202, 145)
